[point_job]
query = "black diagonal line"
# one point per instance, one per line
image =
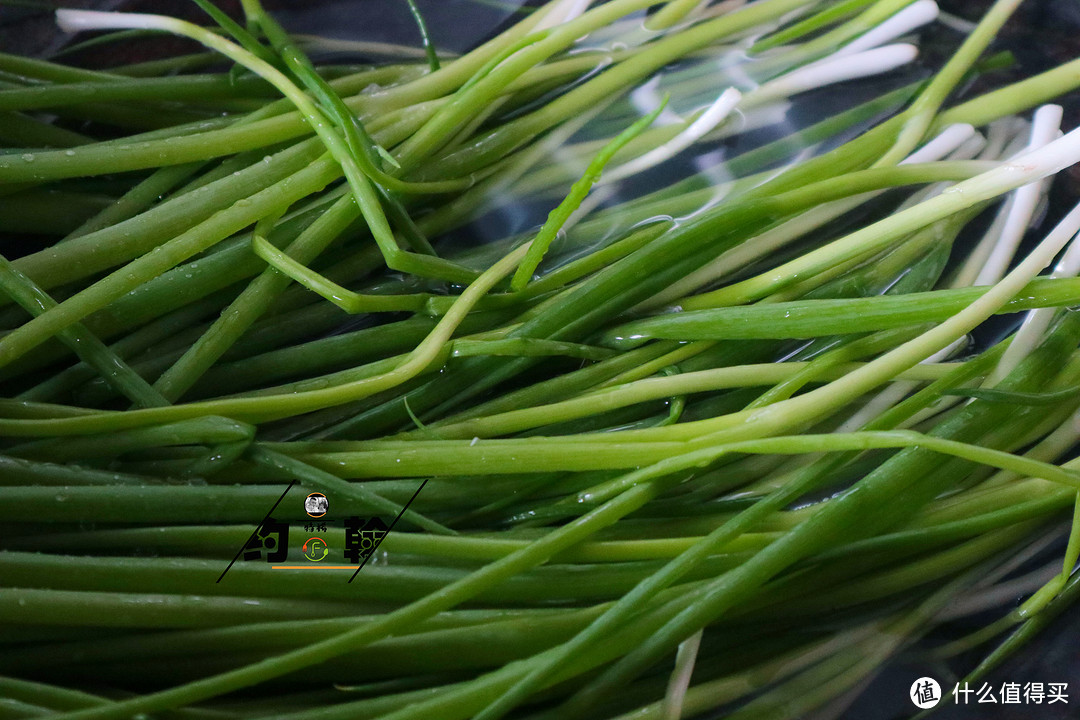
(376, 547)
(256, 530)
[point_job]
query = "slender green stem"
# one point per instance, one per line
(429, 46)
(558, 217)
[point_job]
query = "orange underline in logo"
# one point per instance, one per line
(313, 567)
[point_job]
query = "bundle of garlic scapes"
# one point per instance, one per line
(308, 414)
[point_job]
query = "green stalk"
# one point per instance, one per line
(85, 344)
(911, 473)
(815, 318)
(252, 303)
(558, 217)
